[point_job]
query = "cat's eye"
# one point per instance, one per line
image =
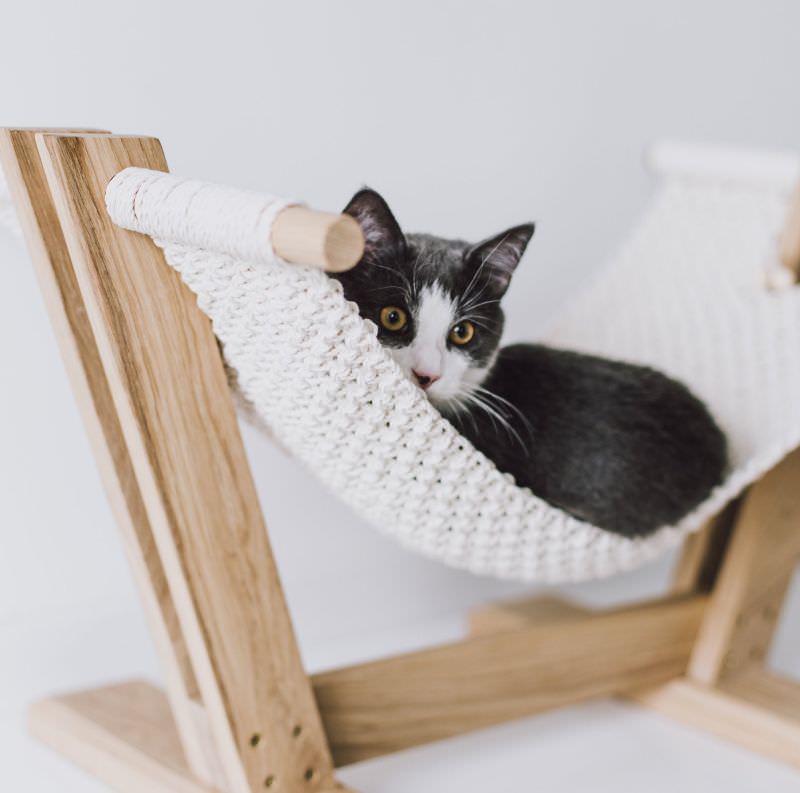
(393, 318)
(462, 333)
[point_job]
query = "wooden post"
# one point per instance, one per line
(53, 266)
(170, 392)
(763, 553)
(728, 689)
(789, 253)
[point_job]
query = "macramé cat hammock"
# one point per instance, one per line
(686, 293)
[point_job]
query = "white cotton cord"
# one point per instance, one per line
(225, 220)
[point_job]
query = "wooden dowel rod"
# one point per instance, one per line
(319, 239)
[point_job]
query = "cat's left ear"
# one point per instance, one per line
(498, 256)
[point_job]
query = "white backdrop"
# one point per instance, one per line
(468, 116)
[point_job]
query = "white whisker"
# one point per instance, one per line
(491, 395)
(494, 413)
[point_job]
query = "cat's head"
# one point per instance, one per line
(436, 302)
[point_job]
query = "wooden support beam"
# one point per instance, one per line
(757, 710)
(170, 392)
(789, 244)
(702, 553)
(513, 615)
(380, 707)
(52, 264)
(760, 560)
(123, 735)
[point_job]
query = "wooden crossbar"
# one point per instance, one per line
(384, 706)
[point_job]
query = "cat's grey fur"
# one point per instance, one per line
(623, 447)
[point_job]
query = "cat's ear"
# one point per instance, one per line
(495, 259)
(382, 233)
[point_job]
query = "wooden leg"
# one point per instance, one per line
(65, 305)
(757, 710)
(746, 600)
(170, 396)
(702, 553)
(122, 734)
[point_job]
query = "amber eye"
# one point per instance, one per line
(393, 318)
(462, 333)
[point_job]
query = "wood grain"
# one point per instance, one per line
(789, 251)
(516, 614)
(758, 711)
(53, 267)
(384, 706)
(171, 394)
(123, 734)
(763, 552)
(702, 553)
(319, 239)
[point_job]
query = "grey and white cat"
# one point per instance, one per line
(621, 446)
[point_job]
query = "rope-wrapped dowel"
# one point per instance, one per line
(242, 224)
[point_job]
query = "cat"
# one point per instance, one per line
(621, 446)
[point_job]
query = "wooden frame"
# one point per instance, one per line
(239, 713)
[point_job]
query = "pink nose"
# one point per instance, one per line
(426, 380)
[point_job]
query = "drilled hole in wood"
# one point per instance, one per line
(309, 774)
(296, 730)
(269, 781)
(255, 739)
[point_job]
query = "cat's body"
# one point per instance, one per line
(623, 447)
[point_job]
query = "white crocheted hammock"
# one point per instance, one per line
(686, 294)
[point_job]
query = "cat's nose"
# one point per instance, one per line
(425, 380)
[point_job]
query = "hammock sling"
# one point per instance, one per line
(686, 295)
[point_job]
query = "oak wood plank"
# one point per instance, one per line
(515, 614)
(761, 557)
(758, 711)
(702, 553)
(789, 243)
(171, 394)
(57, 281)
(393, 704)
(123, 734)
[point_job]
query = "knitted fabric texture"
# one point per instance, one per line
(685, 295)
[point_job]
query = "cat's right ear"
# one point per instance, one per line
(382, 233)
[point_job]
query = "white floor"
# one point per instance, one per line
(603, 746)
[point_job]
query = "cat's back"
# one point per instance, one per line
(608, 441)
